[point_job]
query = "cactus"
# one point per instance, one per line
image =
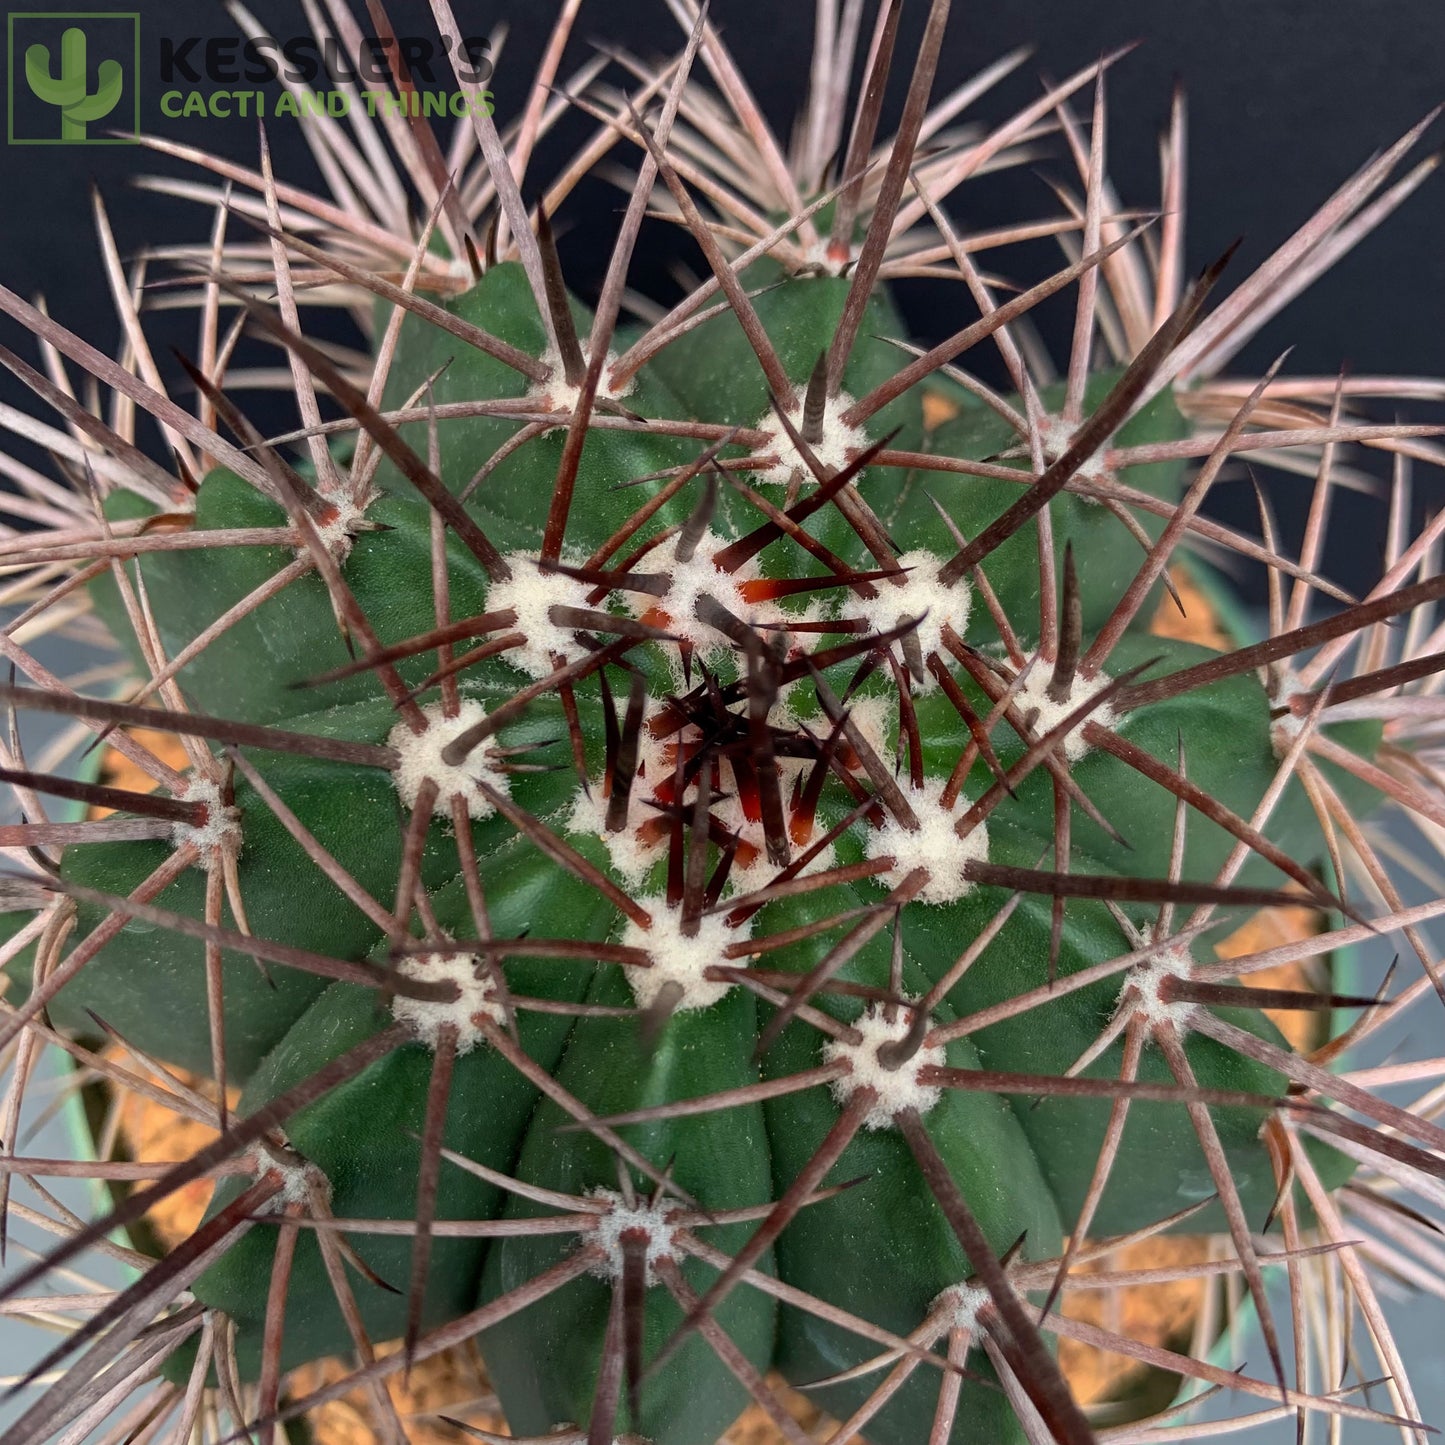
(78, 106)
(688, 864)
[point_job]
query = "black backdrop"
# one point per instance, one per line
(1286, 97)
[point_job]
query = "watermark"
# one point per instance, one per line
(223, 104)
(74, 77)
(381, 74)
(303, 59)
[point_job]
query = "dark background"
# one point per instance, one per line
(1286, 98)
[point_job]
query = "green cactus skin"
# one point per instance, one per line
(883, 1248)
(78, 106)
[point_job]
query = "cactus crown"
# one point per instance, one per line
(686, 843)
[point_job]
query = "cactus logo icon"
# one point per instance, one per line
(73, 78)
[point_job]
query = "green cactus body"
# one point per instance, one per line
(78, 106)
(882, 1249)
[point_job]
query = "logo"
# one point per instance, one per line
(73, 77)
